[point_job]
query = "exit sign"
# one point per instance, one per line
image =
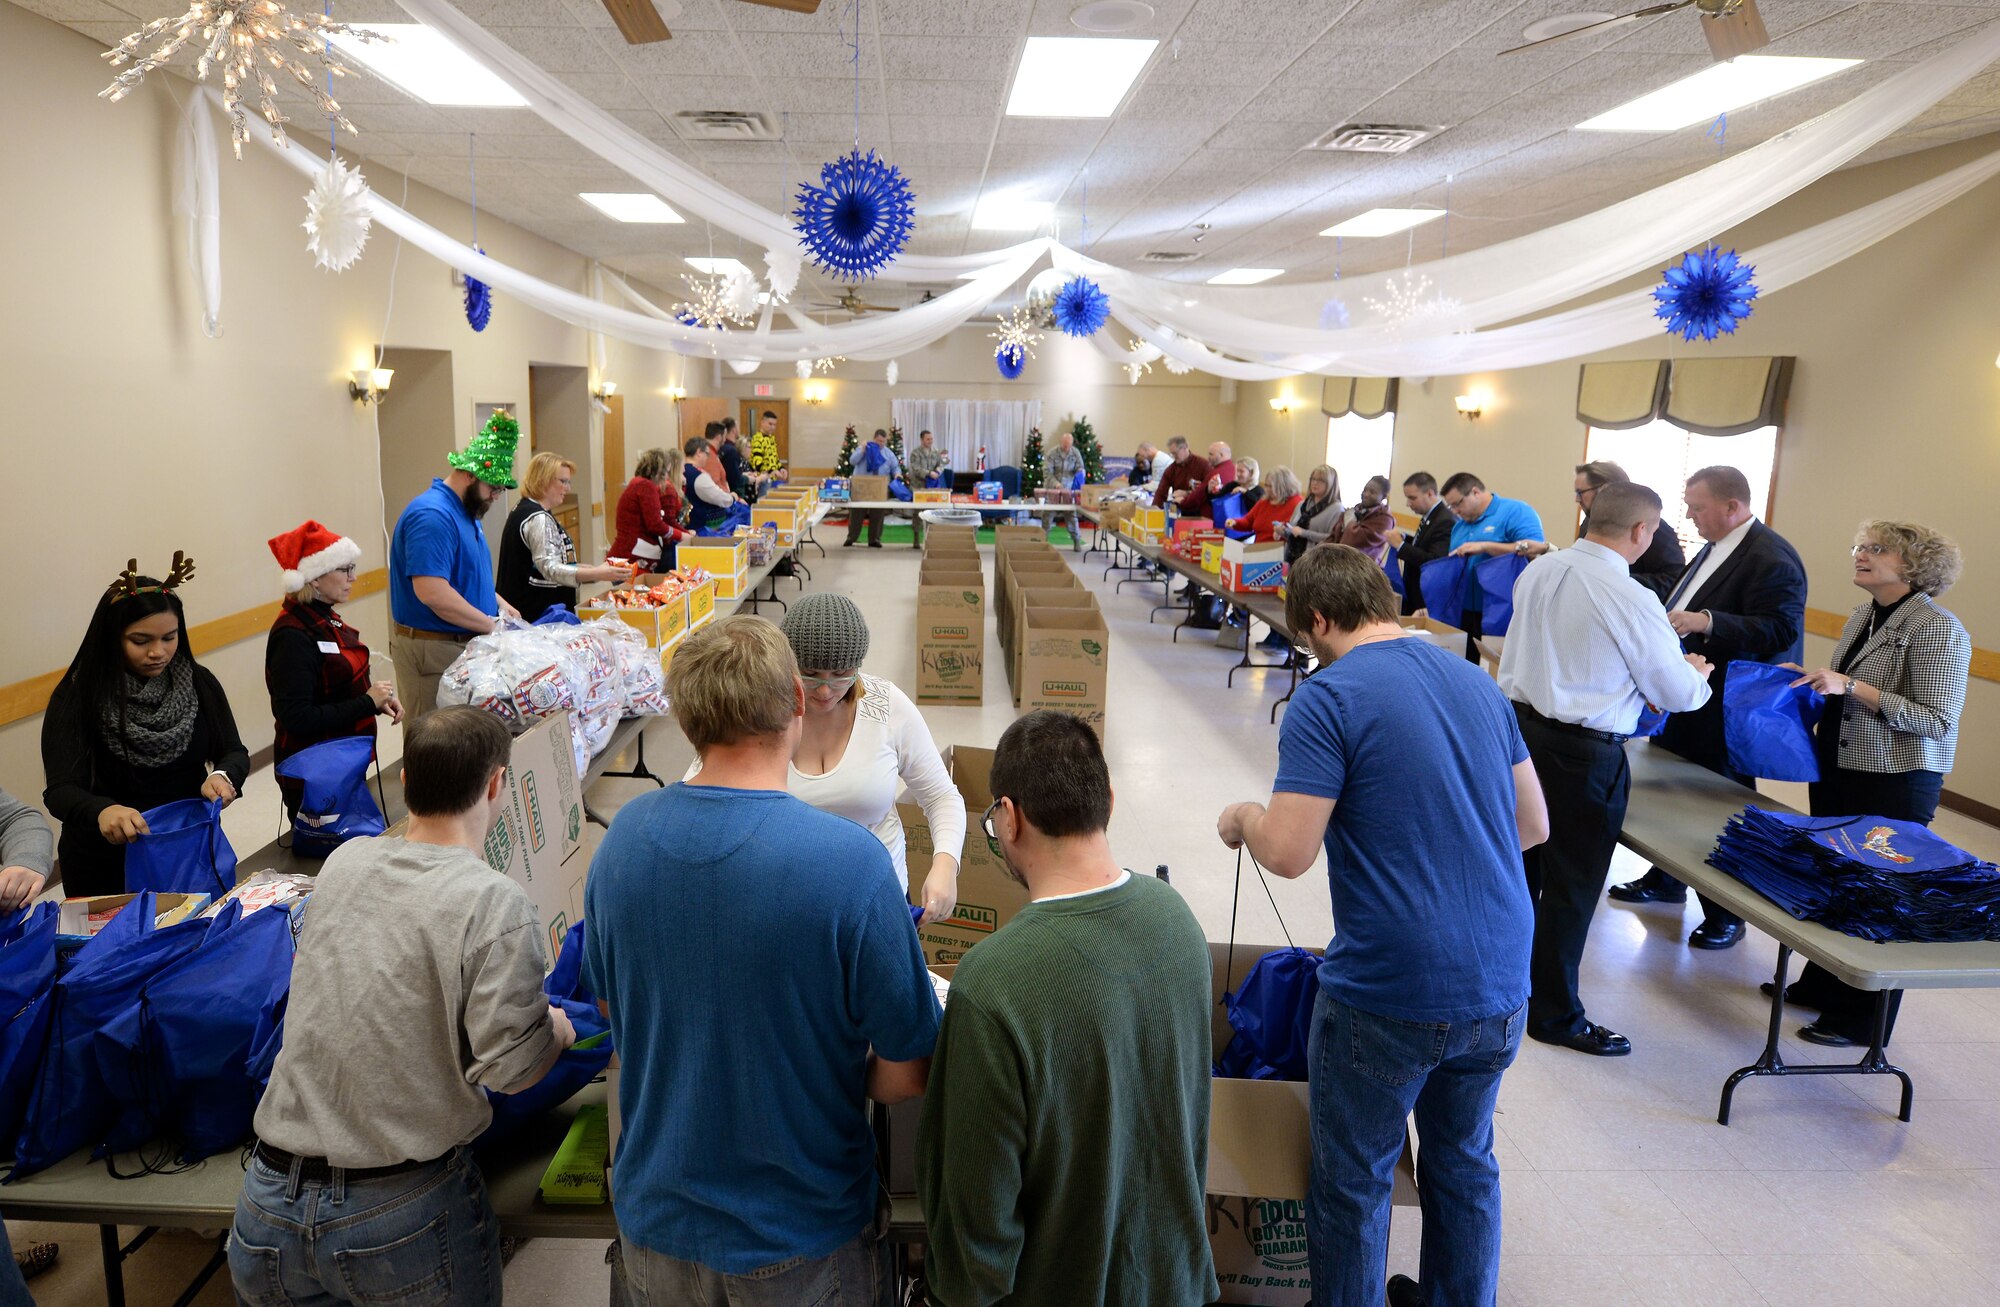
(762, 390)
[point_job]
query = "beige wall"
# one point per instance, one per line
(1069, 376)
(131, 433)
(1895, 408)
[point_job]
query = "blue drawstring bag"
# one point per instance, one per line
(335, 805)
(1076, 480)
(937, 479)
(872, 460)
(1496, 577)
(1271, 1013)
(184, 851)
(738, 515)
(577, 1066)
(68, 1105)
(1767, 722)
(27, 970)
(1395, 572)
(1443, 580)
(1651, 722)
(899, 489)
(558, 615)
(1225, 508)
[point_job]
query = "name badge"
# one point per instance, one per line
(328, 647)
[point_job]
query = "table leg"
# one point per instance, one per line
(114, 1270)
(216, 1261)
(639, 772)
(808, 539)
(1772, 1061)
(1167, 604)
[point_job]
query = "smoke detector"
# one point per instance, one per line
(1111, 15)
(726, 125)
(1373, 138)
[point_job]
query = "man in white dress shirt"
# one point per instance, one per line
(1589, 648)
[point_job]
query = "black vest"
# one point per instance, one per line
(516, 578)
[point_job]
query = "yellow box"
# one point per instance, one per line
(732, 585)
(1211, 556)
(930, 496)
(719, 556)
(780, 516)
(1153, 519)
(667, 653)
(701, 604)
(661, 626)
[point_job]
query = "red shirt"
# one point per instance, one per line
(1264, 515)
(646, 511)
(1191, 474)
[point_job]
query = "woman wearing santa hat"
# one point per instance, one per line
(315, 665)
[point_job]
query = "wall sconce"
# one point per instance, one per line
(677, 393)
(605, 390)
(1472, 405)
(1283, 404)
(816, 393)
(368, 385)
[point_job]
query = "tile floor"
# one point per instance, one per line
(1620, 1187)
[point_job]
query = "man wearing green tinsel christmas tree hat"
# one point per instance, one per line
(490, 456)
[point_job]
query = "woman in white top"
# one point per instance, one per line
(863, 740)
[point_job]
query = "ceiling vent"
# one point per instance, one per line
(1373, 138)
(1169, 256)
(726, 125)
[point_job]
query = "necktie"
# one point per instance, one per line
(1687, 577)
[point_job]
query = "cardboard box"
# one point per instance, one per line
(1034, 534)
(780, 517)
(1076, 598)
(1253, 567)
(725, 558)
(954, 555)
(834, 489)
(540, 830)
(864, 489)
(951, 635)
(1016, 570)
(988, 492)
(661, 626)
(701, 605)
(1211, 554)
(1090, 496)
(1110, 515)
(1036, 583)
(930, 496)
(1259, 1157)
(1452, 640)
(951, 534)
(80, 918)
(1152, 519)
(988, 898)
(1064, 657)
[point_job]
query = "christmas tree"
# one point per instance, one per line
(845, 466)
(1031, 461)
(896, 442)
(1093, 457)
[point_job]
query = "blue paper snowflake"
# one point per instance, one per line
(478, 300)
(1080, 307)
(1010, 359)
(858, 217)
(1333, 315)
(1706, 295)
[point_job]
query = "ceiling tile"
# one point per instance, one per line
(1871, 31)
(558, 49)
(928, 18)
(958, 99)
(937, 57)
(1291, 21)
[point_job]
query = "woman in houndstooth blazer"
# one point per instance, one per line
(1895, 693)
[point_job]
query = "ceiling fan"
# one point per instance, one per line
(849, 301)
(640, 23)
(1732, 27)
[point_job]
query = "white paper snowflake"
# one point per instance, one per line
(337, 217)
(739, 293)
(803, 369)
(890, 372)
(782, 269)
(1333, 315)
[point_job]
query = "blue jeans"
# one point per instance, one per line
(1368, 1073)
(856, 1274)
(426, 1236)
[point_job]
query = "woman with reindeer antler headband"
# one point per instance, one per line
(133, 724)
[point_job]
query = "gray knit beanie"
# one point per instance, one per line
(827, 632)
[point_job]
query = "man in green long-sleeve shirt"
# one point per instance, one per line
(1064, 1143)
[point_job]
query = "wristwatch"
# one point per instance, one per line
(1849, 687)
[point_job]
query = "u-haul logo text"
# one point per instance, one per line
(1066, 689)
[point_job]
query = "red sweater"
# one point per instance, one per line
(1264, 515)
(646, 511)
(1190, 475)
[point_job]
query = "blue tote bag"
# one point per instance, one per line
(335, 805)
(1767, 722)
(1444, 590)
(1496, 577)
(27, 970)
(577, 1066)
(1271, 1012)
(185, 851)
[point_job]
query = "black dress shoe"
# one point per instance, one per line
(1592, 1039)
(874, 544)
(1793, 996)
(1826, 1036)
(1649, 888)
(1404, 1292)
(1711, 936)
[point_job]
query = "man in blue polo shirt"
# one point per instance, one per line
(1486, 525)
(441, 568)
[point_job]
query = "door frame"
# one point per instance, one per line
(746, 409)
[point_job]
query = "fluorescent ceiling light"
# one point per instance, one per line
(1243, 276)
(419, 60)
(1010, 213)
(1383, 222)
(717, 267)
(643, 207)
(1075, 76)
(1715, 90)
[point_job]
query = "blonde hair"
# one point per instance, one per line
(733, 682)
(1931, 562)
(1332, 478)
(1247, 472)
(542, 471)
(652, 464)
(1282, 484)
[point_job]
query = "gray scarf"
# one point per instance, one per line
(158, 719)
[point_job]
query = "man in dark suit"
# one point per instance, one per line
(1743, 597)
(1431, 539)
(1663, 564)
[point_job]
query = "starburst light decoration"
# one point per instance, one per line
(1401, 296)
(1018, 338)
(858, 217)
(826, 364)
(1705, 295)
(248, 40)
(710, 306)
(1137, 370)
(337, 217)
(1080, 307)
(1412, 310)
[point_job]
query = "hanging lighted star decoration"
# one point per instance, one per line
(1137, 370)
(858, 217)
(1705, 295)
(249, 40)
(826, 364)
(1018, 338)
(1080, 307)
(1411, 309)
(1401, 296)
(478, 300)
(709, 306)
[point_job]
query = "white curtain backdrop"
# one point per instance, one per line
(961, 426)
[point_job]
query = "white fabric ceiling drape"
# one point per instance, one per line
(962, 426)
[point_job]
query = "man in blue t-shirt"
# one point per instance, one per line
(763, 979)
(1486, 525)
(441, 568)
(1408, 765)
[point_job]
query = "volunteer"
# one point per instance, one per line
(134, 723)
(861, 737)
(1274, 508)
(315, 666)
(649, 512)
(538, 567)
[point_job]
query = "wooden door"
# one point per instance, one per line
(615, 473)
(751, 411)
(697, 411)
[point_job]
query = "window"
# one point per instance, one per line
(1357, 448)
(1661, 455)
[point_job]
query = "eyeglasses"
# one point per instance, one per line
(839, 681)
(986, 824)
(347, 571)
(1871, 548)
